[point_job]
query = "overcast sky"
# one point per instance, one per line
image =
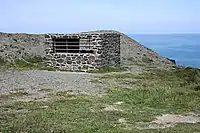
(129, 16)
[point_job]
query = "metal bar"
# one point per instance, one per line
(73, 42)
(54, 46)
(79, 46)
(85, 46)
(67, 49)
(74, 45)
(66, 42)
(67, 46)
(73, 49)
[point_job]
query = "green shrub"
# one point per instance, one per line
(2, 61)
(33, 59)
(189, 75)
(146, 60)
(29, 62)
(196, 88)
(22, 63)
(48, 68)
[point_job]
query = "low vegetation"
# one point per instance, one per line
(108, 69)
(38, 62)
(45, 90)
(29, 62)
(2, 61)
(12, 95)
(121, 110)
(146, 60)
(18, 93)
(26, 62)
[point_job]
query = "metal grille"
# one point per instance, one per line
(72, 46)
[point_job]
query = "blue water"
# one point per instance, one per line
(184, 48)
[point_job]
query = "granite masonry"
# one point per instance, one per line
(82, 52)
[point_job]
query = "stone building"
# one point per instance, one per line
(82, 52)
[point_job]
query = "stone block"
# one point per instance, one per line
(60, 60)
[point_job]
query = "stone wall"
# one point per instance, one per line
(111, 49)
(73, 61)
(105, 47)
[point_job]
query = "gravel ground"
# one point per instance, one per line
(32, 81)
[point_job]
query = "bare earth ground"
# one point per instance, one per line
(37, 82)
(33, 81)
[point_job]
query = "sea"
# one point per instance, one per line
(184, 48)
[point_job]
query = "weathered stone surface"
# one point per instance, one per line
(60, 60)
(69, 62)
(18, 45)
(172, 60)
(106, 49)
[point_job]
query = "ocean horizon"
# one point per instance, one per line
(184, 48)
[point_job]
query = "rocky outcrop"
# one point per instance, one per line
(172, 60)
(133, 52)
(18, 45)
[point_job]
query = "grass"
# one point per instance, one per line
(45, 90)
(4, 97)
(147, 60)
(38, 62)
(34, 59)
(18, 93)
(118, 76)
(2, 61)
(96, 80)
(48, 68)
(11, 95)
(108, 69)
(156, 93)
(27, 62)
